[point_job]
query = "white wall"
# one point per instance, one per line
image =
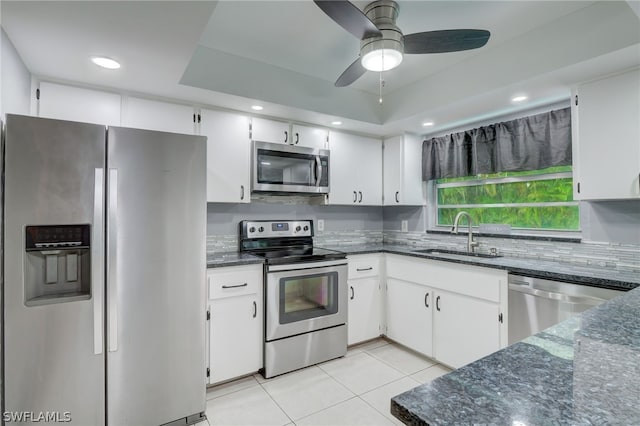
(16, 80)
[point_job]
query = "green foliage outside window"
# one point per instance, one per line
(529, 200)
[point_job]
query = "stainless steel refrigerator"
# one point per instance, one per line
(104, 237)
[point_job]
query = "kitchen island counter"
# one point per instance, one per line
(585, 370)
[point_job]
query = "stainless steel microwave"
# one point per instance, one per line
(289, 168)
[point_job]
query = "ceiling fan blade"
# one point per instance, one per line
(351, 74)
(349, 17)
(445, 41)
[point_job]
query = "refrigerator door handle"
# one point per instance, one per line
(97, 260)
(112, 259)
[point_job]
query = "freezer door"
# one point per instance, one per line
(156, 266)
(53, 352)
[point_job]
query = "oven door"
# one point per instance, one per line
(304, 297)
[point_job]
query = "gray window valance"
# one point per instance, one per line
(529, 143)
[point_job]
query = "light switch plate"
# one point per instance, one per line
(320, 225)
(405, 225)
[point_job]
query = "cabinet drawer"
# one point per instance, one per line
(234, 281)
(363, 266)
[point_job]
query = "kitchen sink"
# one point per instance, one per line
(446, 253)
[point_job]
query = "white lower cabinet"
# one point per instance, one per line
(365, 301)
(236, 321)
(452, 312)
(464, 328)
(410, 315)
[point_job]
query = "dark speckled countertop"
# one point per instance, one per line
(566, 272)
(231, 258)
(583, 371)
(617, 279)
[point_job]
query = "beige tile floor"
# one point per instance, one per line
(354, 390)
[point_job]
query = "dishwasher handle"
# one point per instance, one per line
(523, 287)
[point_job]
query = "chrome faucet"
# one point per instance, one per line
(471, 245)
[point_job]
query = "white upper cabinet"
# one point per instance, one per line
(311, 137)
(228, 156)
(156, 115)
(264, 130)
(270, 131)
(355, 170)
(402, 169)
(606, 138)
(77, 104)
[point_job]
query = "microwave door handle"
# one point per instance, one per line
(318, 170)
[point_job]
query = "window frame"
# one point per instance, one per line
(432, 197)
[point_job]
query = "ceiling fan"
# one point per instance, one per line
(382, 43)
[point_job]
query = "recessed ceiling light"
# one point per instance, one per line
(103, 62)
(519, 98)
(337, 123)
(257, 107)
(427, 124)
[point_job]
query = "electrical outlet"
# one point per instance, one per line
(405, 226)
(320, 225)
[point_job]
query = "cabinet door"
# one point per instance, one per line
(342, 170)
(368, 163)
(412, 188)
(270, 131)
(465, 328)
(605, 123)
(409, 315)
(355, 170)
(364, 309)
(228, 156)
(235, 342)
(312, 137)
(156, 115)
(77, 104)
(392, 164)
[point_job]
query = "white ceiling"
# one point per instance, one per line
(287, 54)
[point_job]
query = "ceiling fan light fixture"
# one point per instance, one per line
(382, 59)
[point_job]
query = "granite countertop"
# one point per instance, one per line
(567, 272)
(231, 258)
(585, 370)
(596, 276)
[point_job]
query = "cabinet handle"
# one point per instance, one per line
(397, 193)
(426, 300)
(355, 196)
(255, 309)
(297, 138)
(438, 303)
(360, 192)
(242, 192)
(578, 187)
(364, 269)
(235, 286)
(286, 136)
(353, 293)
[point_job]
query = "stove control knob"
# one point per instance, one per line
(252, 229)
(260, 229)
(298, 228)
(306, 228)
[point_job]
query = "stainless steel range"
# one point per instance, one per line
(305, 291)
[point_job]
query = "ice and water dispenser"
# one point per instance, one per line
(57, 264)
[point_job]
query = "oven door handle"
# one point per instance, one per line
(307, 265)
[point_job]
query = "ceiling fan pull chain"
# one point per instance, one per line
(381, 82)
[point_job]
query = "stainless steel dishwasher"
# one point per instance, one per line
(536, 303)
